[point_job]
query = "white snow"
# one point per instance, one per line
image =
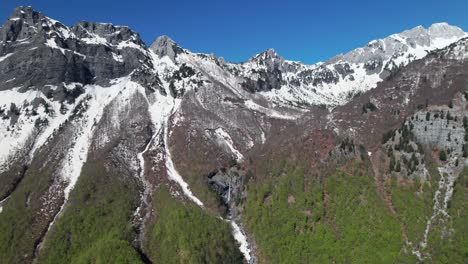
(94, 39)
(5, 56)
(175, 176)
(2, 202)
(50, 42)
(441, 199)
(132, 45)
(15, 138)
(161, 109)
(268, 111)
(240, 237)
(116, 57)
(54, 122)
(146, 184)
(224, 137)
(395, 50)
(76, 157)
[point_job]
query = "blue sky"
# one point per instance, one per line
(307, 31)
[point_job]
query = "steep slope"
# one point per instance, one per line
(144, 148)
(391, 138)
(337, 80)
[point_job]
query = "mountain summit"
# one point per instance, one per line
(114, 151)
(164, 46)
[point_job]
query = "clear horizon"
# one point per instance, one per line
(237, 31)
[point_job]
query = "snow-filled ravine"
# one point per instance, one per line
(442, 196)
(244, 245)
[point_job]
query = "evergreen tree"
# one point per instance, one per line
(443, 155)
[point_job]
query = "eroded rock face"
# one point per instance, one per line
(94, 92)
(439, 131)
(164, 46)
(229, 184)
(37, 51)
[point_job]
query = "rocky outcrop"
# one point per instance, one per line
(158, 115)
(164, 46)
(37, 51)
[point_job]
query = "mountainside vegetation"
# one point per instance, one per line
(95, 227)
(335, 219)
(184, 233)
(114, 151)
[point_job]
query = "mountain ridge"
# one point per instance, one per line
(92, 106)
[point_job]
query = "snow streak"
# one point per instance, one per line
(442, 197)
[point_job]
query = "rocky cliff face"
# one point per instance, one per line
(93, 97)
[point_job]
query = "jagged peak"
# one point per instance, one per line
(108, 31)
(25, 13)
(33, 17)
(165, 46)
(26, 22)
(164, 39)
(269, 54)
(414, 31)
(436, 30)
(90, 32)
(438, 35)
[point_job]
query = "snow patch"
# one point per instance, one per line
(174, 175)
(224, 137)
(50, 42)
(268, 111)
(161, 109)
(100, 97)
(240, 237)
(54, 122)
(15, 137)
(441, 199)
(6, 56)
(118, 58)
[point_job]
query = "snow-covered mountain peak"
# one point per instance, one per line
(409, 44)
(337, 80)
(281, 82)
(444, 30)
(269, 54)
(268, 60)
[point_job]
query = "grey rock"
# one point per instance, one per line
(164, 46)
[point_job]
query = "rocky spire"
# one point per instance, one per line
(269, 54)
(269, 58)
(164, 46)
(26, 13)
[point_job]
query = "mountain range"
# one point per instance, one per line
(112, 151)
